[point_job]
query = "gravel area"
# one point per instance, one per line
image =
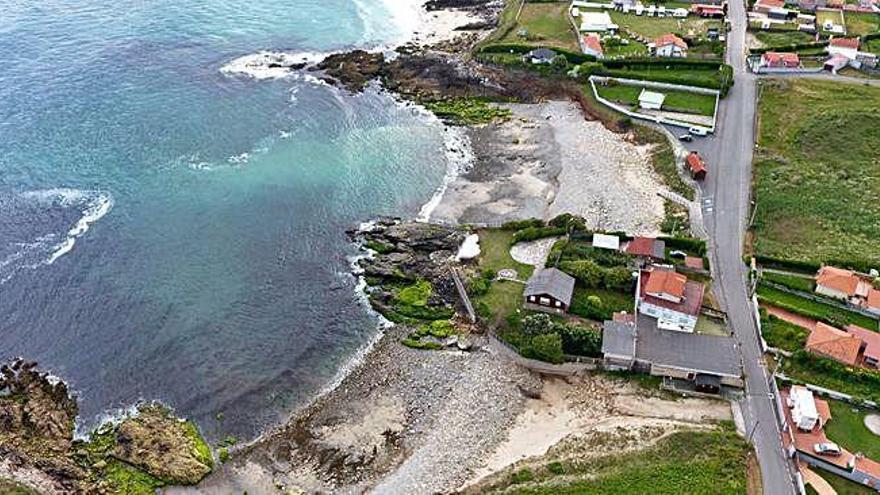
(872, 423)
(404, 421)
(533, 252)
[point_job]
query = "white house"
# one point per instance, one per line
(803, 408)
(650, 100)
(596, 22)
(670, 45)
(848, 47)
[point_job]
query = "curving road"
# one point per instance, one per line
(726, 209)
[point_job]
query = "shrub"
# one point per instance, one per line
(467, 111)
(522, 224)
(580, 340)
(569, 222)
(537, 324)
(689, 244)
(556, 467)
(586, 272)
(618, 278)
(535, 233)
(522, 476)
(547, 347)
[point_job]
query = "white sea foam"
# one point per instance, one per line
(459, 159)
(271, 64)
(95, 205)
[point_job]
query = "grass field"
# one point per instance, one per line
(678, 101)
(847, 428)
(804, 284)
(813, 309)
(861, 23)
(872, 46)
(544, 24)
(782, 39)
(503, 297)
(835, 16)
(817, 177)
(654, 27)
(783, 335)
(844, 486)
(686, 462)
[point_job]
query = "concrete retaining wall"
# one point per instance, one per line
(564, 369)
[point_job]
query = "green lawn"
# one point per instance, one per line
(828, 15)
(813, 309)
(861, 23)
(495, 252)
(817, 177)
(654, 27)
(782, 39)
(844, 486)
(847, 428)
(783, 335)
(610, 302)
(685, 462)
(805, 284)
(805, 367)
(677, 101)
(872, 46)
(633, 49)
(544, 24)
(503, 299)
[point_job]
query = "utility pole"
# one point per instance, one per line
(754, 429)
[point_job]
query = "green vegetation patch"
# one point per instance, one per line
(600, 304)
(842, 485)
(806, 367)
(816, 310)
(467, 111)
(676, 101)
(783, 39)
(663, 160)
(861, 23)
(125, 478)
(685, 462)
(804, 284)
(495, 252)
(691, 27)
(817, 177)
(544, 24)
(781, 334)
(847, 428)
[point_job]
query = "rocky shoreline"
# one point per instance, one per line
(143, 451)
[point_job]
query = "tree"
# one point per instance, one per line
(581, 340)
(617, 278)
(586, 271)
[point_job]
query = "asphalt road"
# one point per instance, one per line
(726, 209)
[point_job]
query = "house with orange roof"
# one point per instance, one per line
(872, 302)
(671, 298)
(765, 6)
(840, 283)
(848, 47)
(780, 60)
(669, 45)
(802, 443)
(870, 345)
(592, 45)
(646, 247)
(835, 344)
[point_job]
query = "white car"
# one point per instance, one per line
(827, 448)
(698, 131)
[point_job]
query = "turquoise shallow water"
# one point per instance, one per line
(170, 232)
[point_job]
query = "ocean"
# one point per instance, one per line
(174, 229)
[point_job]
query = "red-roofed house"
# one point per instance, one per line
(870, 345)
(872, 302)
(592, 45)
(835, 344)
(646, 247)
(705, 10)
(671, 298)
(670, 45)
(840, 284)
(802, 443)
(777, 60)
(848, 47)
(697, 166)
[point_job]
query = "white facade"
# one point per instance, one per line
(849, 53)
(605, 241)
(669, 319)
(829, 292)
(670, 50)
(803, 408)
(651, 100)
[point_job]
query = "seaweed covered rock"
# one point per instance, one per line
(147, 450)
(163, 445)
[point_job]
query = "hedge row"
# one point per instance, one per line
(572, 57)
(795, 47)
(784, 264)
(697, 246)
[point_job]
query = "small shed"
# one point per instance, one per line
(696, 165)
(605, 241)
(651, 100)
(549, 290)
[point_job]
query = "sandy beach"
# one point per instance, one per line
(548, 159)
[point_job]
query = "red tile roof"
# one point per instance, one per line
(838, 279)
(693, 294)
(671, 39)
(772, 4)
(666, 282)
(592, 42)
(695, 162)
(873, 300)
(834, 343)
(785, 59)
(694, 262)
(642, 246)
(852, 43)
(870, 338)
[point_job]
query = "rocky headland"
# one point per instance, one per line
(140, 452)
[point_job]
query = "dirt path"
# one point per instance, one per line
(818, 483)
(794, 319)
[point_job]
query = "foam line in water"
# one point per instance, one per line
(459, 159)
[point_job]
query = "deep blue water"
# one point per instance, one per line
(171, 232)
